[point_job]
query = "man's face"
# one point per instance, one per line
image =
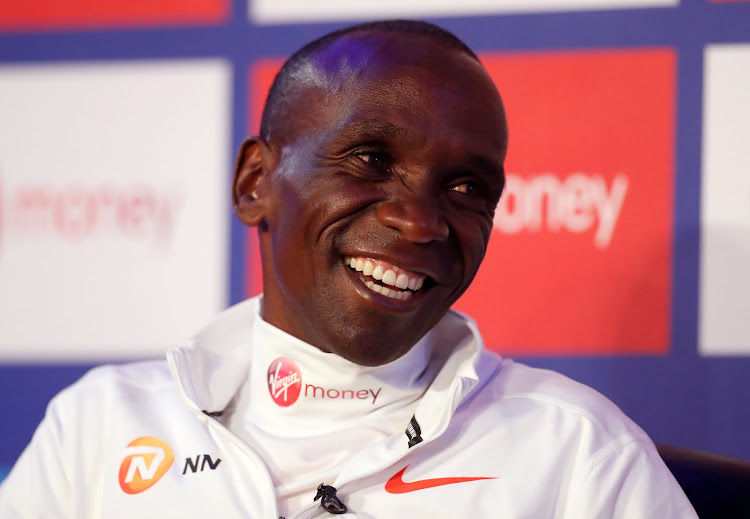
(381, 204)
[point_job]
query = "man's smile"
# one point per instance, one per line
(386, 278)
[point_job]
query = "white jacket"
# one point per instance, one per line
(543, 445)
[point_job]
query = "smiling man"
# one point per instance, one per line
(383, 168)
(350, 387)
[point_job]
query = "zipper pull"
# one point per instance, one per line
(413, 432)
(329, 501)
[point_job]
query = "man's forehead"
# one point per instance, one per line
(355, 68)
(348, 55)
(361, 82)
(367, 55)
(374, 129)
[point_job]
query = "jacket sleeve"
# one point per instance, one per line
(39, 484)
(625, 480)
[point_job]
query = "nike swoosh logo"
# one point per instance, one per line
(397, 485)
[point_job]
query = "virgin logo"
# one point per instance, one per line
(284, 381)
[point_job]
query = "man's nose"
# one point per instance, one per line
(417, 217)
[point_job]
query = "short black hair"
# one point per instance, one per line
(286, 79)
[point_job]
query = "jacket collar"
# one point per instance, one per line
(210, 369)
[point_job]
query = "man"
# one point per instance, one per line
(349, 387)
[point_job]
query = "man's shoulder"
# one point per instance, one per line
(146, 374)
(554, 396)
(117, 381)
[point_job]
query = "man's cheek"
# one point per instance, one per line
(476, 241)
(473, 260)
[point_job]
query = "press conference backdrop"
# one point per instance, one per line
(621, 249)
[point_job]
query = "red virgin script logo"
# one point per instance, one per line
(285, 386)
(284, 381)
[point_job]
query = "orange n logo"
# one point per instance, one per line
(144, 462)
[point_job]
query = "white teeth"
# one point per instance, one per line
(389, 277)
(393, 294)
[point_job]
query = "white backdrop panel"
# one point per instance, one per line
(113, 206)
(295, 11)
(724, 325)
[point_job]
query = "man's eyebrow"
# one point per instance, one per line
(371, 130)
(486, 165)
(490, 170)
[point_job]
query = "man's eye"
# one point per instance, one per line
(373, 158)
(468, 188)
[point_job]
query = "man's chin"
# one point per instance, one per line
(374, 355)
(376, 344)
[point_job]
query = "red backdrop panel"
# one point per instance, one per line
(59, 14)
(580, 259)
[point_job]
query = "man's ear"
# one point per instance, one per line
(253, 164)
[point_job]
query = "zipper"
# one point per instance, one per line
(247, 451)
(440, 430)
(211, 422)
